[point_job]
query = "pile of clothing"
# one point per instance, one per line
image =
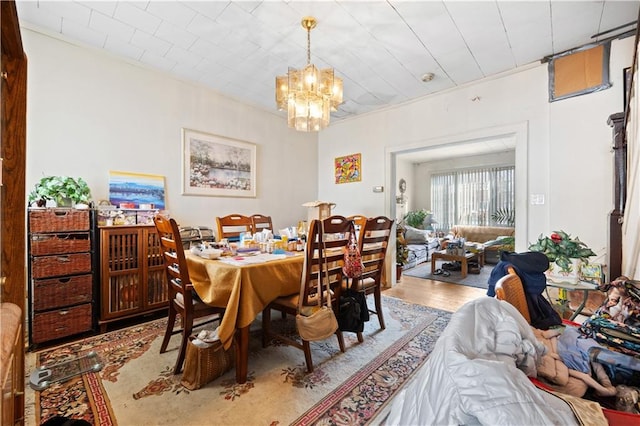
(530, 267)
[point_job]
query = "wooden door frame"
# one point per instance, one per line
(13, 154)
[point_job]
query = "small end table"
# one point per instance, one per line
(463, 259)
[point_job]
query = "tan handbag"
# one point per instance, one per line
(202, 365)
(322, 322)
(318, 326)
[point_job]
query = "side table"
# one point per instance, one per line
(581, 285)
(463, 259)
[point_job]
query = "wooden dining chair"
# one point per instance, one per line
(231, 226)
(183, 299)
(323, 248)
(359, 222)
(510, 289)
(260, 222)
(372, 243)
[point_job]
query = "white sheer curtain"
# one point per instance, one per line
(471, 197)
(631, 224)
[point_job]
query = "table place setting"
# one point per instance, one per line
(253, 259)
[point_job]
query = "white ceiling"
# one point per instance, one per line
(457, 150)
(381, 49)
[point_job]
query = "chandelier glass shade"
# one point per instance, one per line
(308, 94)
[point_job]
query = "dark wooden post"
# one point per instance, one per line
(614, 252)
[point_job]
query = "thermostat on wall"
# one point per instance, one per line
(378, 188)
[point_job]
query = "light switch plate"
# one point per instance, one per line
(537, 199)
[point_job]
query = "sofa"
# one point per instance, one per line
(488, 236)
(420, 245)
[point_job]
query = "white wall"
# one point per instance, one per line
(88, 113)
(404, 170)
(567, 148)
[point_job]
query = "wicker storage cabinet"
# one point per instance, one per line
(132, 276)
(61, 274)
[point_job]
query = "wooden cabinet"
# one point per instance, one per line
(132, 274)
(61, 265)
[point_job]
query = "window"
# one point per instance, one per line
(473, 197)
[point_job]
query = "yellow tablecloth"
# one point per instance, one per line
(244, 290)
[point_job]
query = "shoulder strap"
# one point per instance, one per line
(326, 267)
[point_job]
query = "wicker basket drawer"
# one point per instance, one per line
(42, 244)
(57, 292)
(67, 264)
(61, 323)
(58, 220)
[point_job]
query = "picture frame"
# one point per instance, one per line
(217, 166)
(626, 83)
(579, 71)
(348, 168)
(136, 189)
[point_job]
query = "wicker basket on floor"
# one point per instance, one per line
(203, 365)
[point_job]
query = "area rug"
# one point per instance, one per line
(480, 280)
(136, 385)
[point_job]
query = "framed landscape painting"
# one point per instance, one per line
(217, 166)
(348, 168)
(136, 188)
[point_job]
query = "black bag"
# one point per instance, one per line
(353, 311)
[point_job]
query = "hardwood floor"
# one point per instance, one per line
(436, 294)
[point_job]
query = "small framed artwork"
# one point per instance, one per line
(348, 168)
(136, 190)
(626, 75)
(217, 166)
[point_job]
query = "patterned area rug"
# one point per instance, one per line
(480, 280)
(136, 385)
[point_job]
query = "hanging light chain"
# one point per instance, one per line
(308, 45)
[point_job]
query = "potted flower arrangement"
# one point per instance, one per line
(565, 254)
(64, 190)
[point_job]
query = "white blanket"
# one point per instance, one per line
(477, 374)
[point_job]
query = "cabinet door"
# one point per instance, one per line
(156, 284)
(121, 271)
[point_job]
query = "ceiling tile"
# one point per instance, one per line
(105, 24)
(150, 43)
(183, 56)
(172, 11)
(71, 11)
(123, 48)
(106, 7)
(77, 31)
(128, 13)
(157, 61)
(175, 35)
(29, 12)
(380, 49)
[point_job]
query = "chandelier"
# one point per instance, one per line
(308, 94)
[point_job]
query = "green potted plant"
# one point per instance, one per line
(504, 216)
(64, 190)
(416, 218)
(402, 252)
(565, 254)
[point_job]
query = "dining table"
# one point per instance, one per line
(243, 285)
